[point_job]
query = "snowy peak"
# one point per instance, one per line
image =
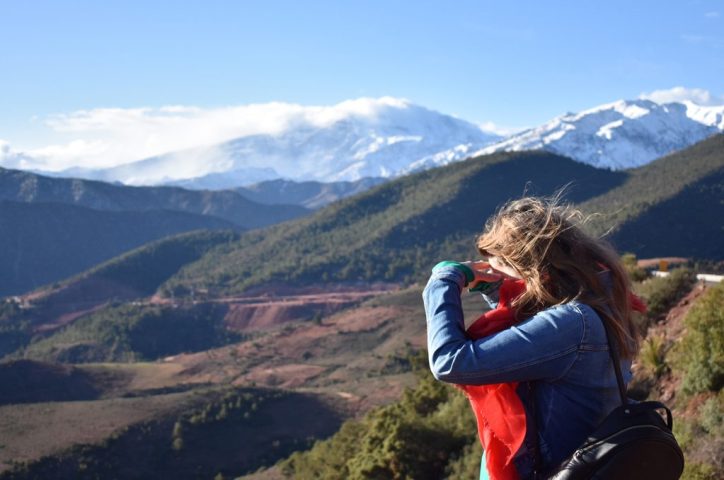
(626, 108)
(706, 115)
(622, 134)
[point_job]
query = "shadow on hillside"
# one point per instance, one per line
(27, 381)
(663, 229)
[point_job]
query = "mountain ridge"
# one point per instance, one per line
(21, 186)
(343, 240)
(643, 131)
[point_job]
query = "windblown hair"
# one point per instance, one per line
(543, 241)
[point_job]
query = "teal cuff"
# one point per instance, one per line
(486, 287)
(467, 271)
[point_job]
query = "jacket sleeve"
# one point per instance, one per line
(541, 348)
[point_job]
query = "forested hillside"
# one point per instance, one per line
(57, 227)
(395, 231)
(130, 276)
(672, 206)
(45, 242)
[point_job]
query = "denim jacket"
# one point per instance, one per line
(560, 356)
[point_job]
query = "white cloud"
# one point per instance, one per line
(711, 14)
(10, 158)
(680, 94)
(106, 137)
(501, 130)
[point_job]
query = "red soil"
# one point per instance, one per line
(262, 308)
(301, 355)
(254, 313)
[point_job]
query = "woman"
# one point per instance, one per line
(556, 349)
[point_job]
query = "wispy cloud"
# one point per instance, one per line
(680, 94)
(106, 137)
(692, 38)
(711, 14)
(703, 40)
(501, 130)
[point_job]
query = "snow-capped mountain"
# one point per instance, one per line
(389, 137)
(623, 134)
(376, 138)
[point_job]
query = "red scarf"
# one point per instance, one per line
(498, 409)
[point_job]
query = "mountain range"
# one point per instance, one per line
(376, 138)
(619, 135)
(26, 187)
(389, 137)
(57, 227)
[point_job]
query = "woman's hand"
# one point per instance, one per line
(483, 273)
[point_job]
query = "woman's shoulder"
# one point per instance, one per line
(591, 323)
(573, 310)
(575, 318)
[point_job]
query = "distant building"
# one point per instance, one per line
(662, 264)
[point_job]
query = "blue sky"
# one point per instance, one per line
(512, 63)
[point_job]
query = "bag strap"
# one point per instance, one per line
(615, 359)
(619, 379)
(654, 405)
(537, 460)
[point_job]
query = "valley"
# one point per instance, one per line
(218, 360)
(349, 362)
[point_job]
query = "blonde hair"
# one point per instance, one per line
(542, 240)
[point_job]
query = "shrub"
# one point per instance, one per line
(467, 465)
(702, 439)
(653, 355)
(700, 355)
(662, 293)
(635, 273)
(711, 415)
(699, 471)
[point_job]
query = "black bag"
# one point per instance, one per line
(633, 442)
